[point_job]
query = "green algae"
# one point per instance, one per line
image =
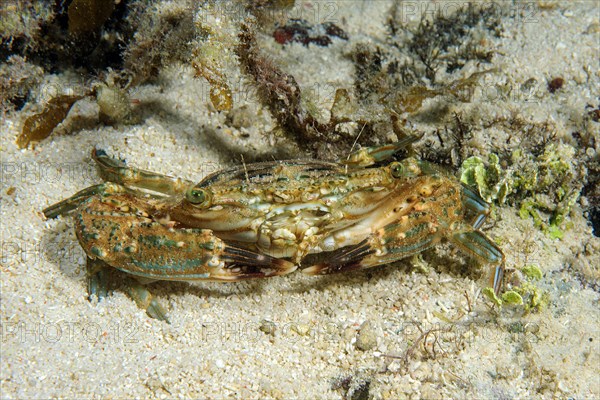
(544, 188)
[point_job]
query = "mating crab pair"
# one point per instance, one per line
(262, 219)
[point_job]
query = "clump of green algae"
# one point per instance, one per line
(537, 184)
(543, 187)
(527, 295)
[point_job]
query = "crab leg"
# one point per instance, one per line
(475, 206)
(484, 250)
(144, 300)
(370, 155)
(118, 176)
(97, 276)
(476, 243)
(71, 203)
(116, 171)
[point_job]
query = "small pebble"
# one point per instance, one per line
(367, 337)
(555, 84)
(267, 327)
(594, 27)
(301, 329)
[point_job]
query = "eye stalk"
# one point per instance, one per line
(397, 170)
(199, 197)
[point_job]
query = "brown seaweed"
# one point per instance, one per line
(40, 126)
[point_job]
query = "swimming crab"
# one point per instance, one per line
(261, 220)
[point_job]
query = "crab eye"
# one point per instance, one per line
(199, 197)
(397, 170)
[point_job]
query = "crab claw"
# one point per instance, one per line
(242, 264)
(346, 259)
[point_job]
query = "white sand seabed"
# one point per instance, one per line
(55, 343)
